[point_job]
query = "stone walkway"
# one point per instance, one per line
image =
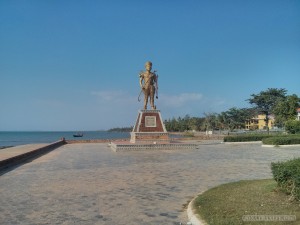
(90, 184)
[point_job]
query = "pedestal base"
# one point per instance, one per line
(149, 128)
(149, 137)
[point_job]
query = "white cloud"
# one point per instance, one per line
(180, 100)
(113, 96)
(173, 101)
(107, 95)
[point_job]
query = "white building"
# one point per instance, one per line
(298, 114)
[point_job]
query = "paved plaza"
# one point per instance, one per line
(90, 184)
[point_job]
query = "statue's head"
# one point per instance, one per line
(148, 65)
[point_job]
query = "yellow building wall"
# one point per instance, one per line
(259, 122)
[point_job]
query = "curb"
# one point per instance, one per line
(270, 146)
(245, 142)
(193, 217)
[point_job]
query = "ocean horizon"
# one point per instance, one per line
(14, 138)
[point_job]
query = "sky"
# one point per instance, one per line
(74, 65)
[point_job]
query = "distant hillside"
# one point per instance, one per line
(120, 129)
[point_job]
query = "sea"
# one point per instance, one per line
(13, 138)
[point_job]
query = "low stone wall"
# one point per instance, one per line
(13, 161)
(201, 137)
(94, 141)
(169, 146)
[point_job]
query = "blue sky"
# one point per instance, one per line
(73, 65)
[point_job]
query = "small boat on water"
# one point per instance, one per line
(78, 135)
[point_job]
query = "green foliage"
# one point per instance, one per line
(245, 138)
(189, 134)
(287, 176)
(274, 139)
(292, 126)
(266, 100)
(282, 140)
(184, 124)
(211, 121)
(286, 110)
(235, 118)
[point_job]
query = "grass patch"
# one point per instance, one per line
(228, 203)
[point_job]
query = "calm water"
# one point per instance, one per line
(21, 138)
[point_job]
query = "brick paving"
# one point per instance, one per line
(90, 184)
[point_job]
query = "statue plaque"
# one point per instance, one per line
(150, 121)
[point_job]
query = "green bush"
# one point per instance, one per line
(189, 134)
(280, 140)
(287, 176)
(292, 126)
(244, 138)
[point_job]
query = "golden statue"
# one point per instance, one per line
(148, 83)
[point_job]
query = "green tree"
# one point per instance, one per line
(185, 123)
(292, 126)
(182, 124)
(235, 118)
(211, 121)
(171, 124)
(286, 110)
(195, 123)
(167, 124)
(265, 101)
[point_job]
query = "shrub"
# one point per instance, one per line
(189, 134)
(292, 126)
(243, 138)
(280, 140)
(287, 176)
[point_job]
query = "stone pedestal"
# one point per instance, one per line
(149, 128)
(149, 133)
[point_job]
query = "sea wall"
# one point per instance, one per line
(18, 159)
(94, 141)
